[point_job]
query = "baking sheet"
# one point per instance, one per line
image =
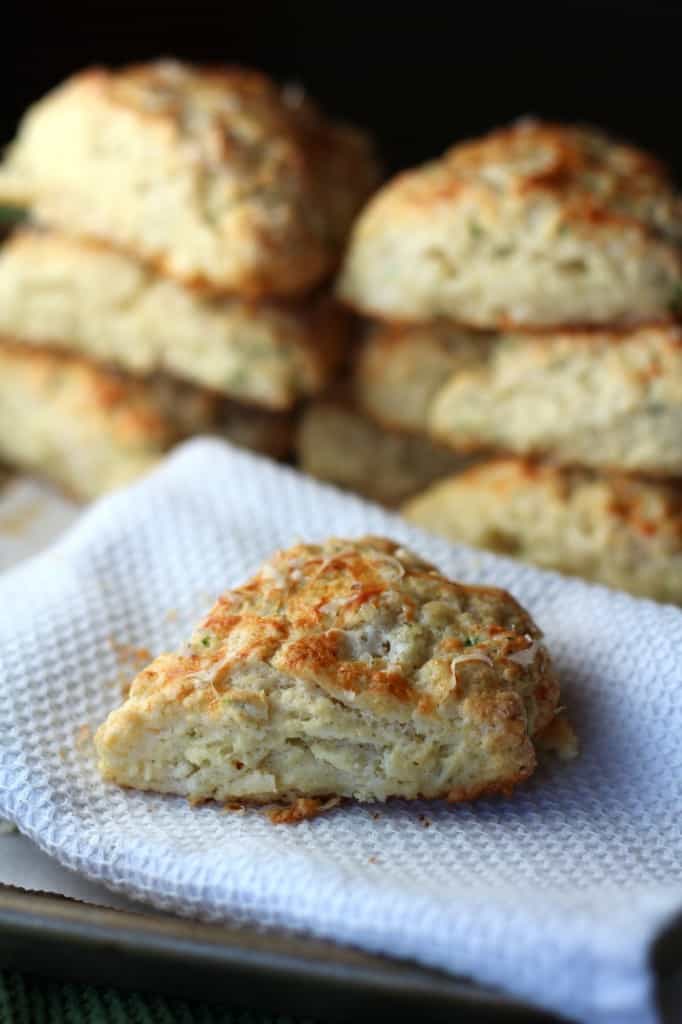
(242, 966)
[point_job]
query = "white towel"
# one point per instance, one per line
(555, 895)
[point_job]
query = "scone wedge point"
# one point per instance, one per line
(347, 669)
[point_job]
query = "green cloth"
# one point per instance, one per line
(25, 999)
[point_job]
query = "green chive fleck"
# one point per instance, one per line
(11, 215)
(237, 380)
(676, 299)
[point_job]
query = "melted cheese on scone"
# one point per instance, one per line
(350, 668)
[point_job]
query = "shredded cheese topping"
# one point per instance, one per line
(527, 655)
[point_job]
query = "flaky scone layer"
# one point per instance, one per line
(350, 668)
(84, 297)
(399, 370)
(601, 398)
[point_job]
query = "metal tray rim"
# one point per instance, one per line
(268, 969)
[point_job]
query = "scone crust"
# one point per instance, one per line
(603, 398)
(217, 176)
(537, 224)
(82, 296)
(618, 530)
(356, 636)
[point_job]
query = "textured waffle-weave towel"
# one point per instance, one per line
(555, 895)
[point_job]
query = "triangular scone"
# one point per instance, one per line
(350, 668)
(534, 225)
(217, 176)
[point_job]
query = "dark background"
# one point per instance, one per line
(419, 75)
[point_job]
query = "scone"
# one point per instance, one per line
(400, 370)
(346, 669)
(623, 532)
(536, 224)
(219, 177)
(90, 429)
(594, 398)
(60, 291)
(87, 429)
(340, 445)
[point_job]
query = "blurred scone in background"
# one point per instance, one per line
(521, 294)
(184, 224)
(489, 341)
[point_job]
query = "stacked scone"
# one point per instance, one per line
(523, 290)
(371, 434)
(183, 224)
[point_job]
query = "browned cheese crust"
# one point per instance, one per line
(350, 668)
(618, 530)
(536, 224)
(217, 176)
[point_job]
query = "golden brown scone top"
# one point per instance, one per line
(236, 158)
(647, 507)
(534, 225)
(623, 531)
(596, 178)
(229, 113)
(274, 138)
(376, 628)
